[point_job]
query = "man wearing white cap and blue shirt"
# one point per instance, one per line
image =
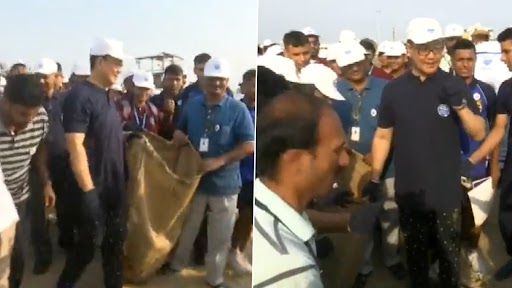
(420, 113)
(95, 143)
(221, 129)
(363, 93)
(452, 33)
(396, 58)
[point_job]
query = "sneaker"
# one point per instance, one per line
(238, 262)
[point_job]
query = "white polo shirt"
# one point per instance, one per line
(284, 253)
(8, 212)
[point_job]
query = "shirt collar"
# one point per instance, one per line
(345, 84)
(299, 224)
(221, 103)
(431, 77)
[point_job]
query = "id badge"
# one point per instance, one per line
(203, 145)
(354, 134)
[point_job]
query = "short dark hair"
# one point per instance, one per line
(295, 39)
(505, 35)
(92, 61)
(173, 69)
(202, 58)
(16, 66)
(249, 75)
(462, 44)
(24, 89)
(368, 45)
(59, 67)
(268, 86)
(290, 121)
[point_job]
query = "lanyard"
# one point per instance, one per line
(356, 107)
(264, 207)
(137, 117)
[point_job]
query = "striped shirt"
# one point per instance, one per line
(16, 151)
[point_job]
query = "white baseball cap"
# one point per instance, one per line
(143, 79)
(323, 78)
(383, 46)
(453, 30)
(217, 68)
(280, 65)
(308, 31)
(424, 30)
(267, 42)
(350, 53)
(333, 51)
(81, 70)
(274, 50)
(347, 35)
(395, 49)
(111, 47)
(46, 66)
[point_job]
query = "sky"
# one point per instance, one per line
(64, 30)
(372, 18)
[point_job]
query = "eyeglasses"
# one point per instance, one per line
(436, 47)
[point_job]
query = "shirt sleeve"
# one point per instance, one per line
(502, 98)
(77, 110)
(243, 126)
(386, 113)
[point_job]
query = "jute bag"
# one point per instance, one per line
(163, 178)
(355, 175)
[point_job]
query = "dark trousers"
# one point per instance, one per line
(40, 236)
(114, 209)
(439, 231)
(18, 249)
(505, 216)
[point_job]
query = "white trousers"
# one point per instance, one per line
(222, 213)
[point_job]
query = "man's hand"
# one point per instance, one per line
(91, 207)
(168, 106)
(49, 196)
(180, 138)
(367, 159)
(453, 94)
(212, 164)
(465, 173)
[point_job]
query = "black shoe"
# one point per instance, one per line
(504, 272)
(398, 271)
(361, 280)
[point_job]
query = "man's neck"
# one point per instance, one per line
(213, 99)
(94, 79)
(139, 103)
(359, 85)
(287, 194)
(421, 75)
(169, 95)
(469, 79)
(249, 101)
(398, 73)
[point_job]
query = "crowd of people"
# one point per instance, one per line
(426, 114)
(62, 145)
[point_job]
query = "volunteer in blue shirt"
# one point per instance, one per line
(243, 226)
(503, 112)
(463, 58)
(221, 130)
(95, 144)
(363, 94)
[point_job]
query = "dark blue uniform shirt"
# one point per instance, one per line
(88, 109)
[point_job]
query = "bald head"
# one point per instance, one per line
(289, 121)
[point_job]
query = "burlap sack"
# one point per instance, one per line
(355, 175)
(163, 178)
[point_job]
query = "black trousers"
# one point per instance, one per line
(115, 209)
(40, 236)
(18, 250)
(505, 215)
(439, 231)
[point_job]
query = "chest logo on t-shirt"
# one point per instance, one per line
(478, 100)
(443, 110)
(373, 112)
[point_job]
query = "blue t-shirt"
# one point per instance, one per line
(247, 164)
(226, 125)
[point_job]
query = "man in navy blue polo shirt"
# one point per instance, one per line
(221, 129)
(95, 144)
(463, 58)
(363, 94)
(419, 116)
(503, 112)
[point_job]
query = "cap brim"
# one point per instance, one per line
(144, 85)
(216, 75)
(331, 92)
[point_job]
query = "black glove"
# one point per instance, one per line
(453, 93)
(363, 219)
(91, 207)
(371, 190)
(465, 174)
(132, 127)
